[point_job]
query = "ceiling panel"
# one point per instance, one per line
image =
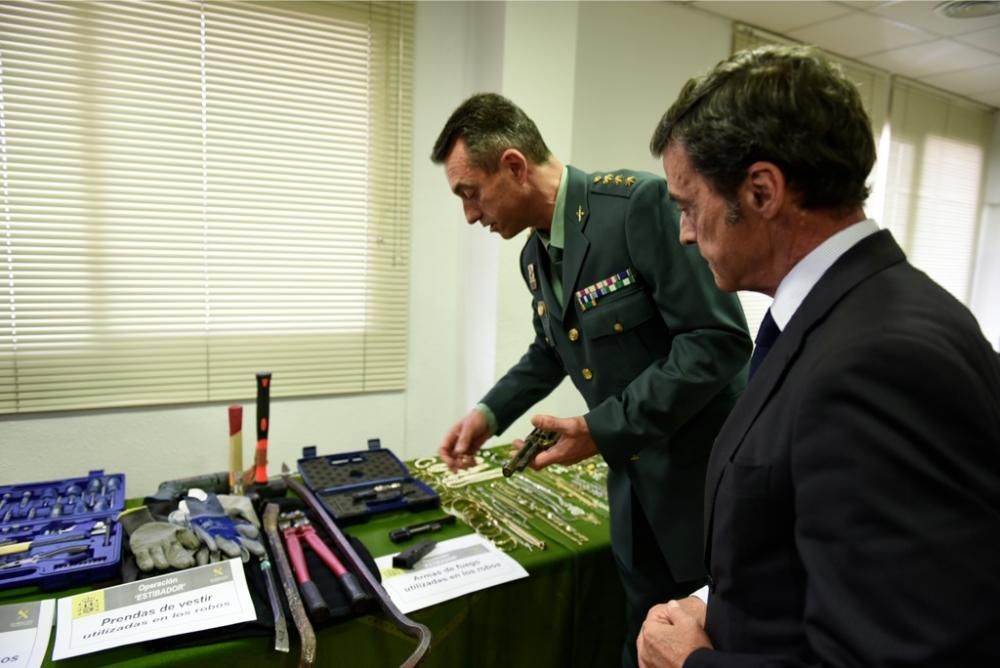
(922, 15)
(903, 37)
(923, 60)
(859, 33)
(968, 81)
(988, 39)
(865, 4)
(775, 16)
(992, 99)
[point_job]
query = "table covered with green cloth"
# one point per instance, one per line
(568, 612)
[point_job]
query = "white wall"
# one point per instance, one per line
(631, 61)
(162, 443)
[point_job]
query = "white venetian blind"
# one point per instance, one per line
(195, 191)
(938, 155)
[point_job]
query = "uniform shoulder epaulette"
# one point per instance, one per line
(620, 183)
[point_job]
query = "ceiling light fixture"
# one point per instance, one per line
(968, 9)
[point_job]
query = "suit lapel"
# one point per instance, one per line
(868, 257)
(576, 243)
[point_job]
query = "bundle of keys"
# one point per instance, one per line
(536, 441)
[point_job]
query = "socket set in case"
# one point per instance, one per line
(353, 486)
(61, 533)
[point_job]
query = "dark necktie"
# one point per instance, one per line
(556, 257)
(766, 336)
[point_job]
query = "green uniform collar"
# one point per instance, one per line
(556, 235)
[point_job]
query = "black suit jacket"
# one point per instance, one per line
(853, 496)
(659, 362)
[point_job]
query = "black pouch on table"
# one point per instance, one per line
(340, 609)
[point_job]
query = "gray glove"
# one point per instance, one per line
(240, 510)
(159, 545)
(219, 532)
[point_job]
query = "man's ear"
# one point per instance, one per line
(766, 189)
(514, 162)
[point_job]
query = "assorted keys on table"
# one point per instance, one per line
(524, 511)
(61, 532)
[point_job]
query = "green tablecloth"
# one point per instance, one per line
(568, 612)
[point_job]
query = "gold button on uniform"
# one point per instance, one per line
(574, 334)
(541, 309)
(587, 373)
(619, 328)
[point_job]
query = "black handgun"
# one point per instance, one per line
(536, 441)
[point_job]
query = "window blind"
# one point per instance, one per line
(195, 191)
(937, 164)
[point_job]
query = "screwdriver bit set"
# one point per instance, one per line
(354, 486)
(60, 533)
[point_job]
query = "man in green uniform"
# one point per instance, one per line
(634, 318)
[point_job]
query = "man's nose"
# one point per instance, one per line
(687, 233)
(472, 213)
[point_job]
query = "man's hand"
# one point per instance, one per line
(463, 440)
(695, 607)
(574, 444)
(671, 632)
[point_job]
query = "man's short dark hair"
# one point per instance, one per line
(490, 124)
(786, 105)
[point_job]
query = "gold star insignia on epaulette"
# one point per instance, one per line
(597, 179)
(608, 178)
(619, 180)
(629, 182)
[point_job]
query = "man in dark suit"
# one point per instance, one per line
(656, 350)
(853, 496)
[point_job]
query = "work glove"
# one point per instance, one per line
(219, 532)
(155, 544)
(240, 510)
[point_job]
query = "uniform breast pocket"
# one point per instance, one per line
(618, 314)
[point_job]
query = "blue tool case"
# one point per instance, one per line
(354, 486)
(61, 533)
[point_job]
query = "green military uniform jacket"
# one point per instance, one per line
(656, 350)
